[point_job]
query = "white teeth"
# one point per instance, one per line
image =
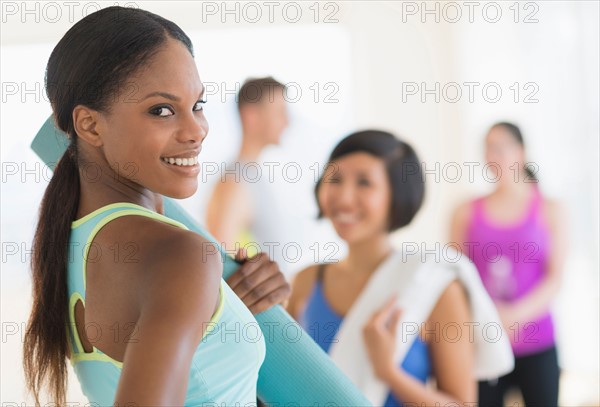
(183, 162)
(345, 218)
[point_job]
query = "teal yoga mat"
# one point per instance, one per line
(296, 371)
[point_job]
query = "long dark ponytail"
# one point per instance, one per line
(45, 345)
(515, 132)
(89, 66)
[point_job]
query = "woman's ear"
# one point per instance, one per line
(85, 123)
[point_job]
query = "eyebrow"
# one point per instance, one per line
(169, 96)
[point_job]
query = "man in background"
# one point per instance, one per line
(241, 211)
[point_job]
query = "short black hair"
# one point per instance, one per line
(254, 90)
(403, 169)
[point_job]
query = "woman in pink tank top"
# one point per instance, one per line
(516, 238)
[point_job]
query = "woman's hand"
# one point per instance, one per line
(380, 338)
(259, 282)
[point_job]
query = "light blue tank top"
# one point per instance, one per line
(322, 323)
(225, 365)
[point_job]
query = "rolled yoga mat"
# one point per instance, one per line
(296, 371)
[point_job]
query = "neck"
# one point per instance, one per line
(364, 257)
(513, 189)
(251, 149)
(107, 188)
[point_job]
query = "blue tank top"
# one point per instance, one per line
(322, 323)
(225, 365)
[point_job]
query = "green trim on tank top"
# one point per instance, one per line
(97, 354)
(135, 210)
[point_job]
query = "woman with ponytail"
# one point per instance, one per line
(128, 295)
(517, 240)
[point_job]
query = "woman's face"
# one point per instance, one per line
(503, 152)
(355, 194)
(273, 117)
(158, 117)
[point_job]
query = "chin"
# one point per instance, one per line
(358, 234)
(354, 239)
(349, 236)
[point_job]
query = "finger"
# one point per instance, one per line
(258, 291)
(381, 316)
(264, 289)
(395, 320)
(241, 255)
(255, 280)
(369, 328)
(277, 296)
(371, 331)
(246, 269)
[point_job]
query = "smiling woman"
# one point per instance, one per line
(168, 119)
(373, 186)
(153, 305)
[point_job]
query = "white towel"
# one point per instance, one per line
(419, 286)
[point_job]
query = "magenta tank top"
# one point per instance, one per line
(512, 261)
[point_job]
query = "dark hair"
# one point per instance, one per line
(255, 89)
(515, 132)
(89, 66)
(403, 169)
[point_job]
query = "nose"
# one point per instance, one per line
(345, 194)
(193, 128)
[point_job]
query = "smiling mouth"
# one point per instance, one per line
(345, 219)
(181, 162)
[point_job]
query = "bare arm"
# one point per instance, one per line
(301, 286)
(176, 300)
(458, 226)
(228, 212)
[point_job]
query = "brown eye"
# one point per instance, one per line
(198, 106)
(162, 111)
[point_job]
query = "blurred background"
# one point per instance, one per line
(438, 74)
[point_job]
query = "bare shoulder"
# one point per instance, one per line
(302, 285)
(225, 216)
(176, 298)
(460, 220)
(452, 306)
(462, 212)
(161, 253)
(553, 207)
(452, 354)
(555, 214)
(153, 238)
(230, 188)
(182, 251)
(306, 277)
(186, 264)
